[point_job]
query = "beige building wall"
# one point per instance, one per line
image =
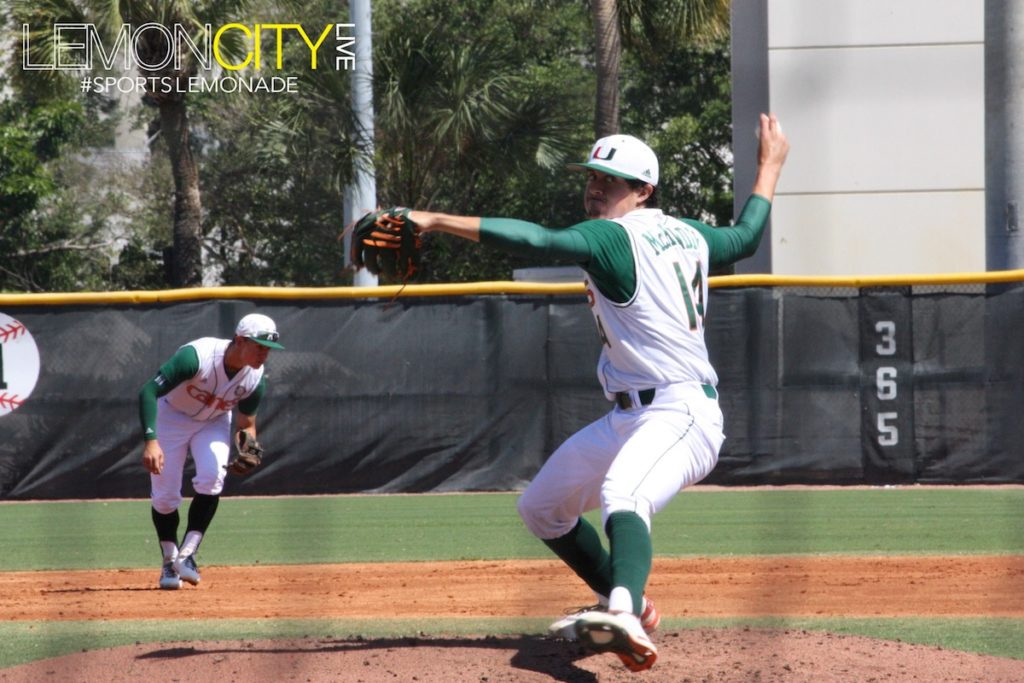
(883, 101)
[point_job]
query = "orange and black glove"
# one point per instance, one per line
(386, 242)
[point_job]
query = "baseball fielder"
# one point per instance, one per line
(647, 287)
(187, 408)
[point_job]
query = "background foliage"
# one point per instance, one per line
(478, 106)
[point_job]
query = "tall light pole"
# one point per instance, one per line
(361, 194)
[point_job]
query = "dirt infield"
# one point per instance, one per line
(697, 587)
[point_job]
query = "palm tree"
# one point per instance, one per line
(109, 16)
(608, 51)
(448, 111)
(647, 27)
(457, 123)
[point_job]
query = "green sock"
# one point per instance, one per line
(631, 554)
(582, 550)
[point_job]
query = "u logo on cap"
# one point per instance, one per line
(608, 157)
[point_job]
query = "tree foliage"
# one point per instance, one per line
(275, 183)
(52, 236)
(681, 105)
(478, 106)
(109, 18)
(474, 119)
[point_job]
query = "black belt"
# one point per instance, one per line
(625, 400)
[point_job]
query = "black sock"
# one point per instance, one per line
(201, 511)
(166, 526)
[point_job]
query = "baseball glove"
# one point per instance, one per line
(248, 453)
(386, 242)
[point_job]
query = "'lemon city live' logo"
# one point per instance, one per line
(80, 46)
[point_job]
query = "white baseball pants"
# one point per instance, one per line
(632, 460)
(209, 442)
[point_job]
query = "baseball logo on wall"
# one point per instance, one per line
(19, 364)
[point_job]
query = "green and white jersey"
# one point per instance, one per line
(656, 336)
(646, 282)
(210, 392)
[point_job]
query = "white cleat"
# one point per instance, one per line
(619, 633)
(187, 569)
(169, 579)
(566, 626)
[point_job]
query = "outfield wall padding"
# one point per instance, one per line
(873, 385)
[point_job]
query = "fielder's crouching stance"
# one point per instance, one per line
(189, 405)
(647, 286)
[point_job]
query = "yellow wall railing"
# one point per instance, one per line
(481, 288)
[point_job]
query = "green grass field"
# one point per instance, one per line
(287, 530)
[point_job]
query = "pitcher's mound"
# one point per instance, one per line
(697, 656)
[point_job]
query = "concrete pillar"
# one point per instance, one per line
(1004, 134)
(749, 47)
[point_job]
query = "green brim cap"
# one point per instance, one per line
(266, 342)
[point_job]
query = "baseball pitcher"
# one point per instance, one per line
(647, 287)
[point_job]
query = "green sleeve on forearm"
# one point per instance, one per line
(251, 403)
(147, 409)
(529, 239)
(728, 245)
(183, 365)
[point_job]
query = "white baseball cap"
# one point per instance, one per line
(624, 156)
(259, 328)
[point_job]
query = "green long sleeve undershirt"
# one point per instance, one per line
(602, 248)
(182, 366)
(739, 241)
